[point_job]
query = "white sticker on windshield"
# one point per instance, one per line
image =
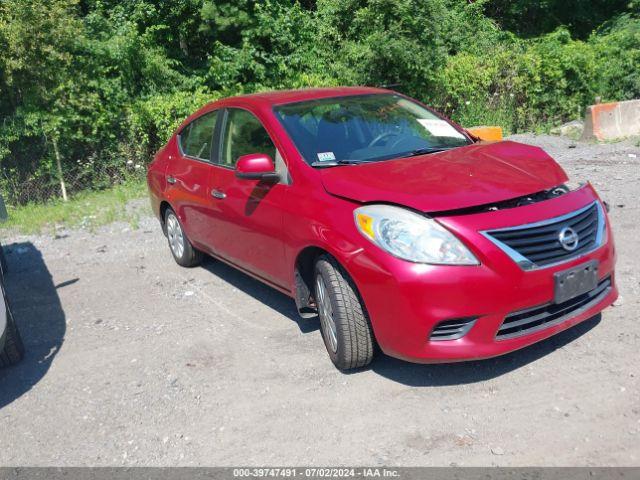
(439, 128)
(326, 156)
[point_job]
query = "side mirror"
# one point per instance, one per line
(256, 166)
(4, 215)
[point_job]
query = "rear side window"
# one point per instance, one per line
(244, 134)
(196, 138)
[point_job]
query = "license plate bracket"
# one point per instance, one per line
(575, 281)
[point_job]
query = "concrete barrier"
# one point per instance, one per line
(490, 134)
(610, 121)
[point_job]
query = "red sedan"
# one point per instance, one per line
(394, 225)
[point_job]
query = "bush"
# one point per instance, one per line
(535, 84)
(618, 56)
(153, 120)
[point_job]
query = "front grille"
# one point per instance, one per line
(536, 318)
(453, 329)
(538, 245)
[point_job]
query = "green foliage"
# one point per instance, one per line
(276, 50)
(534, 17)
(618, 47)
(383, 42)
(109, 81)
(542, 82)
(153, 119)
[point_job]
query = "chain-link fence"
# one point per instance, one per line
(48, 186)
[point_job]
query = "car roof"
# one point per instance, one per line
(280, 97)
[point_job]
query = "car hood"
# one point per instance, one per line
(464, 177)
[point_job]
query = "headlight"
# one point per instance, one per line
(410, 236)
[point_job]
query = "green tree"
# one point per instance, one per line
(105, 82)
(533, 17)
(39, 51)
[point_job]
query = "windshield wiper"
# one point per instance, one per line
(335, 163)
(420, 151)
(425, 151)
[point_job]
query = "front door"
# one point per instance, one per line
(250, 229)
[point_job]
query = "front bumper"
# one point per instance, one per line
(405, 301)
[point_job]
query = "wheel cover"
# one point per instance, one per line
(325, 312)
(176, 238)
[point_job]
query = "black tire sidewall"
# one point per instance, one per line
(325, 269)
(13, 349)
(354, 335)
(3, 261)
(337, 356)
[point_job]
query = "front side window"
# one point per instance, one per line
(244, 134)
(196, 138)
(364, 128)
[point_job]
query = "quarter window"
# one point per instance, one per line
(196, 138)
(244, 134)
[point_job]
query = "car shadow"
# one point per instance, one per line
(39, 316)
(270, 297)
(439, 375)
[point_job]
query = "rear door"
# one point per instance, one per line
(188, 176)
(250, 232)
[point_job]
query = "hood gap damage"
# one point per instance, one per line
(520, 201)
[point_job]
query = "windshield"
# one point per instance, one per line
(365, 128)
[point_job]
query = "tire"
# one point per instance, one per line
(3, 261)
(349, 340)
(13, 350)
(183, 252)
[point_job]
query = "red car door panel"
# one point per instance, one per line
(189, 195)
(188, 176)
(248, 228)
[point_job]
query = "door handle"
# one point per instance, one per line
(218, 194)
(171, 180)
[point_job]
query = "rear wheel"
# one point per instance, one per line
(183, 252)
(13, 350)
(344, 323)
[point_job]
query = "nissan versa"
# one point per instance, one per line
(397, 227)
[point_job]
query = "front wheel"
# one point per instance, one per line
(183, 252)
(344, 323)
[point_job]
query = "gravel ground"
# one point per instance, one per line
(133, 360)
